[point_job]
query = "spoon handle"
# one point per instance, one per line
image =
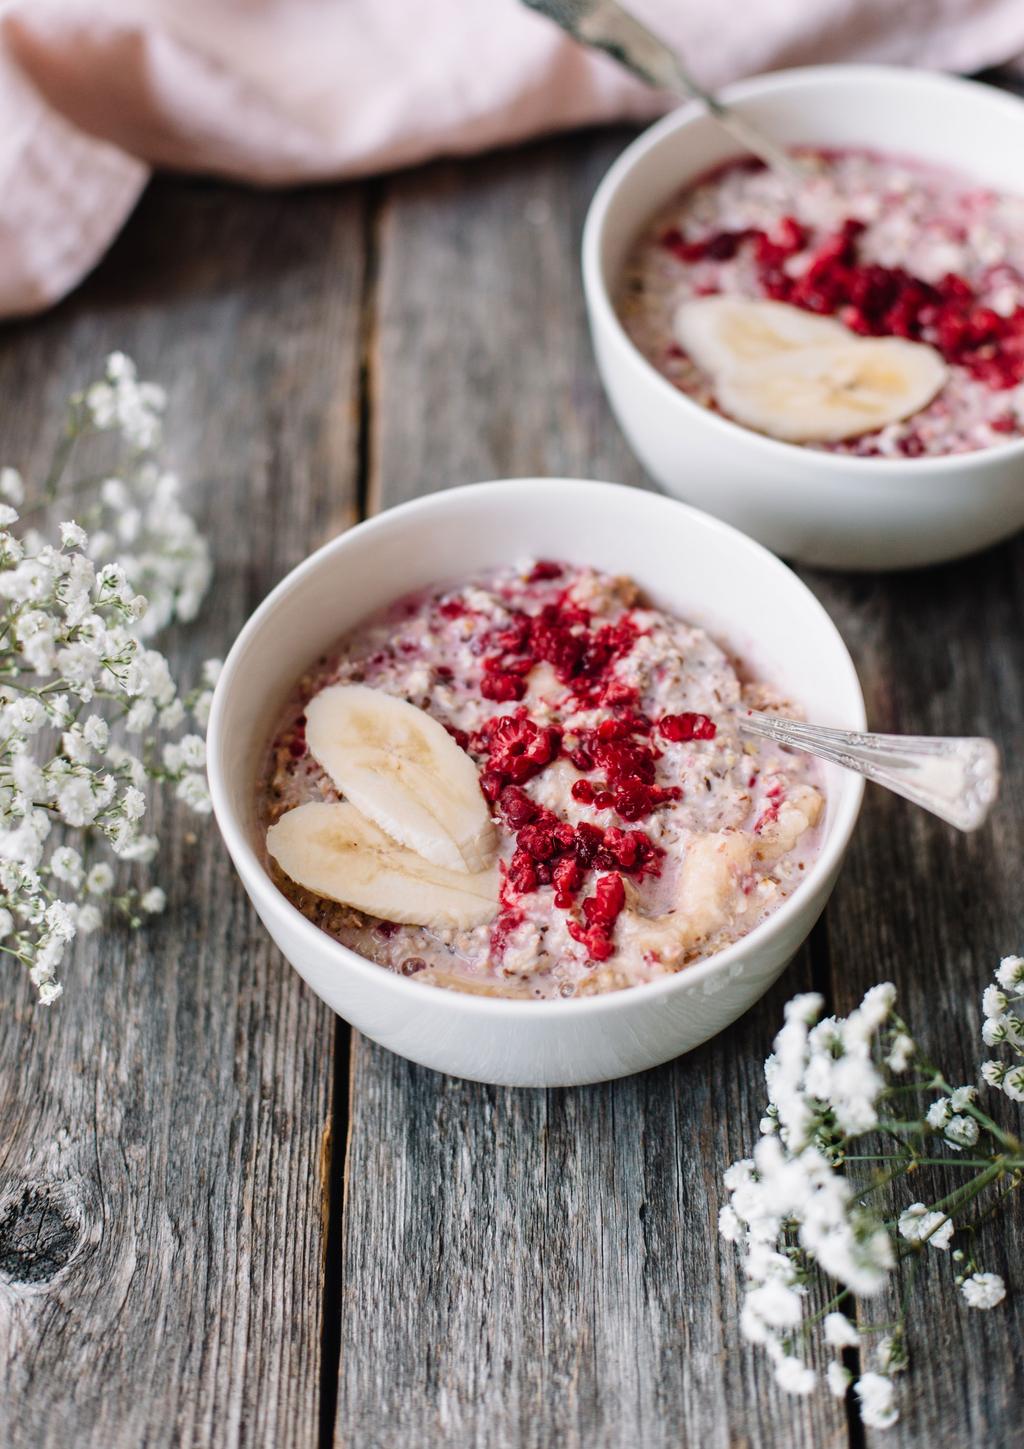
(956, 779)
(605, 25)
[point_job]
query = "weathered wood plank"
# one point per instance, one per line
(942, 652)
(534, 1268)
(164, 1128)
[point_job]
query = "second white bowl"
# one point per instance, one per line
(821, 508)
(688, 563)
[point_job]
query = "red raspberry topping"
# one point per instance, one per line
(680, 728)
(873, 300)
(516, 747)
(600, 911)
(543, 570)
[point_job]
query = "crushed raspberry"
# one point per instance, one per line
(680, 728)
(538, 841)
(583, 791)
(596, 939)
(722, 246)
(600, 911)
(460, 737)
(604, 906)
(520, 874)
(517, 807)
(501, 688)
(567, 877)
(503, 927)
(767, 817)
(516, 747)
(452, 609)
(543, 570)
(633, 851)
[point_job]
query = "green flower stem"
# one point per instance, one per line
(1010, 1163)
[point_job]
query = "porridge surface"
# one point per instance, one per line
(886, 246)
(638, 832)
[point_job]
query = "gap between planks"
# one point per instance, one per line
(336, 1177)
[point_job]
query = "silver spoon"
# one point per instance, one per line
(605, 25)
(956, 779)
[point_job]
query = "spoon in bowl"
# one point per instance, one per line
(956, 779)
(606, 26)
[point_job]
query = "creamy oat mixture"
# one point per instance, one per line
(888, 247)
(638, 831)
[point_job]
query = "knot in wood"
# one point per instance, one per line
(38, 1235)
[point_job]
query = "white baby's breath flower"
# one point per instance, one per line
(939, 1113)
(12, 487)
(794, 1376)
(153, 901)
(90, 918)
(961, 1132)
(983, 1290)
(1011, 972)
(993, 1001)
(133, 803)
(194, 791)
(100, 879)
(840, 1332)
(877, 1396)
(838, 1379)
(901, 1053)
(729, 1225)
(890, 1354)
(1013, 1084)
(66, 865)
(917, 1224)
(76, 801)
(73, 536)
(962, 1097)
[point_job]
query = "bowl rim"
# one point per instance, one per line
(603, 312)
(271, 899)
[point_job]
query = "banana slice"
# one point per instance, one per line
(823, 394)
(723, 333)
(404, 772)
(334, 851)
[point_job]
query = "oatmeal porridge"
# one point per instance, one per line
(533, 785)
(873, 247)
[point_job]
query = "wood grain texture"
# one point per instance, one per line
(526, 1268)
(942, 652)
(162, 1129)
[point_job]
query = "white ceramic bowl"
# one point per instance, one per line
(691, 564)
(838, 511)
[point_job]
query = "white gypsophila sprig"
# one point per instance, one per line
(139, 527)
(1003, 1028)
(85, 704)
(806, 1202)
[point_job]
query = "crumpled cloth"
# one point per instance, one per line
(96, 93)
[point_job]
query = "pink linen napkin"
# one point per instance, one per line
(93, 93)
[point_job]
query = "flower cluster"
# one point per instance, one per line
(802, 1206)
(1004, 1028)
(83, 701)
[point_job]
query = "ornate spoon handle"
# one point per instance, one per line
(605, 25)
(956, 779)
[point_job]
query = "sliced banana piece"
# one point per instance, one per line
(334, 851)
(723, 333)
(404, 771)
(823, 394)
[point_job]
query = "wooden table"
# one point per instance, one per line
(227, 1220)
